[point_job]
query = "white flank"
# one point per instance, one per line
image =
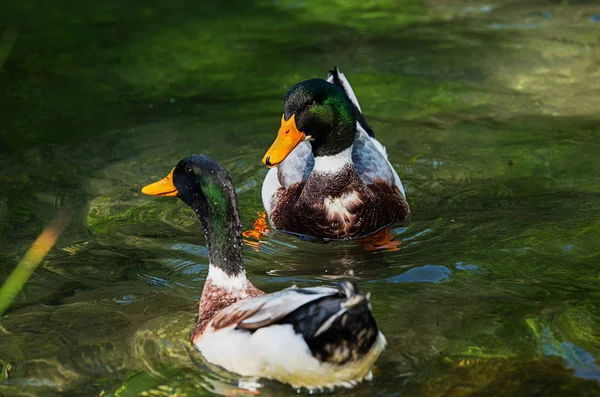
(269, 187)
(277, 352)
(333, 164)
(222, 280)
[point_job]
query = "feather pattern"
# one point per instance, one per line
(371, 162)
(268, 309)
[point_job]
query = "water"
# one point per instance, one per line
(489, 114)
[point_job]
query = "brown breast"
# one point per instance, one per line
(338, 208)
(215, 299)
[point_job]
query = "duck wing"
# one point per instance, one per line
(336, 77)
(370, 161)
(336, 323)
(267, 309)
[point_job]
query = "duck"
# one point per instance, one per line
(313, 337)
(329, 178)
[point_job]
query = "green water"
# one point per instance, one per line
(489, 111)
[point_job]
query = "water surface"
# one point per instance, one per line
(488, 110)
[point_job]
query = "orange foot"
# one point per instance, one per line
(382, 240)
(260, 228)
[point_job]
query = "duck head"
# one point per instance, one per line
(205, 186)
(316, 111)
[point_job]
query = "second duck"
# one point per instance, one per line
(330, 177)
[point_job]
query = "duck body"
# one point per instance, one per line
(319, 337)
(295, 336)
(346, 191)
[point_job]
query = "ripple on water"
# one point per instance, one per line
(582, 362)
(422, 274)
(193, 249)
(471, 268)
(125, 300)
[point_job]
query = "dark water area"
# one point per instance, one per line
(488, 111)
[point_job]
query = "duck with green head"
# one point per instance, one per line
(318, 337)
(330, 178)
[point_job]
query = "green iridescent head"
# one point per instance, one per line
(324, 114)
(205, 186)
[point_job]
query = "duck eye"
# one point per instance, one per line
(188, 168)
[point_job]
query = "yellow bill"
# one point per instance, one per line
(287, 139)
(164, 187)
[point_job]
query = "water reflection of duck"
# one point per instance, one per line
(330, 177)
(309, 337)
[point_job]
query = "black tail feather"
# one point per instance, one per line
(351, 334)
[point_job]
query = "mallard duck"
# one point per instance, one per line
(330, 178)
(318, 337)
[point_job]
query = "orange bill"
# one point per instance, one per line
(164, 187)
(287, 139)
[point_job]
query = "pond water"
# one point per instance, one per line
(488, 110)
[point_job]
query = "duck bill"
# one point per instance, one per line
(288, 137)
(164, 187)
